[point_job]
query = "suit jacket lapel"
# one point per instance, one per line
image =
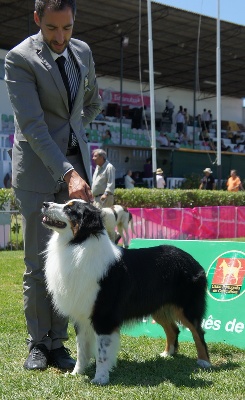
(80, 91)
(48, 61)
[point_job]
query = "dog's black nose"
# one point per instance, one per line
(46, 204)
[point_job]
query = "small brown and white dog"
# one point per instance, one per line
(101, 286)
(118, 217)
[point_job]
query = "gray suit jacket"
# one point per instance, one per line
(42, 118)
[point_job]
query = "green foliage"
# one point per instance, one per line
(191, 181)
(7, 198)
(141, 374)
(172, 198)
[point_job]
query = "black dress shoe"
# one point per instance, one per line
(38, 358)
(60, 358)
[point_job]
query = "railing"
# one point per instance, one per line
(219, 222)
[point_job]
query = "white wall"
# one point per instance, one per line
(231, 107)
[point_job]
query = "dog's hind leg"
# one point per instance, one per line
(164, 318)
(198, 336)
(107, 349)
(85, 337)
(125, 239)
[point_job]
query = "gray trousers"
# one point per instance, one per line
(44, 325)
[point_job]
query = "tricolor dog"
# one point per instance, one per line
(100, 286)
(118, 217)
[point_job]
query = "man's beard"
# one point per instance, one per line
(54, 46)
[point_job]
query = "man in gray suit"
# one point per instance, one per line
(50, 154)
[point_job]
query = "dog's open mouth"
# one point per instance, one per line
(53, 222)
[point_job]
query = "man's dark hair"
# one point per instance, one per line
(54, 5)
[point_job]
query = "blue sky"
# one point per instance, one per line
(232, 11)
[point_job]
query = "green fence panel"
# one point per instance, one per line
(224, 263)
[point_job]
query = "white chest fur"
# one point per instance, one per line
(73, 272)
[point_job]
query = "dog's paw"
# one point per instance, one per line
(203, 364)
(102, 380)
(77, 370)
(169, 353)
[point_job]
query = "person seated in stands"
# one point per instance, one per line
(204, 135)
(163, 140)
(101, 116)
(237, 148)
(106, 137)
(212, 145)
(183, 139)
(223, 146)
(236, 138)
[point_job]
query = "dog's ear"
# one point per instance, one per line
(89, 223)
(92, 218)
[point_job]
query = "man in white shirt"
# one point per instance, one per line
(129, 182)
(103, 184)
(163, 140)
(160, 179)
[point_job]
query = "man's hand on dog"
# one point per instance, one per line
(77, 187)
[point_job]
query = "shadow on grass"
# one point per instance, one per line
(178, 370)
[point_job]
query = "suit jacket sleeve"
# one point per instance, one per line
(30, 122)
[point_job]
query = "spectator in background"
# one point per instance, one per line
(187, 120)
(160, 179)
(103, 184)
(101, 116)
(223, 146)
(205, 120)
(207, 182)
(237, 148)
(169, 109)
(128, 181)
(148, 175)
(106, 138)
(179, 120)
(234, 183)
(163, 140)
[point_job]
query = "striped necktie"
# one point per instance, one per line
(73, 142)
(61, 65)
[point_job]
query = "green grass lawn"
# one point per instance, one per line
(140, 373)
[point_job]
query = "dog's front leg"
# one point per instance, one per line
(107, 348)
(85, 338)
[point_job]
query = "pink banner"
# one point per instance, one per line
(189, 223)
(128, 99)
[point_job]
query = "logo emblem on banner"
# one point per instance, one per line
(226, 276)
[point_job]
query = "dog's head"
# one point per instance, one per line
(76, 219)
